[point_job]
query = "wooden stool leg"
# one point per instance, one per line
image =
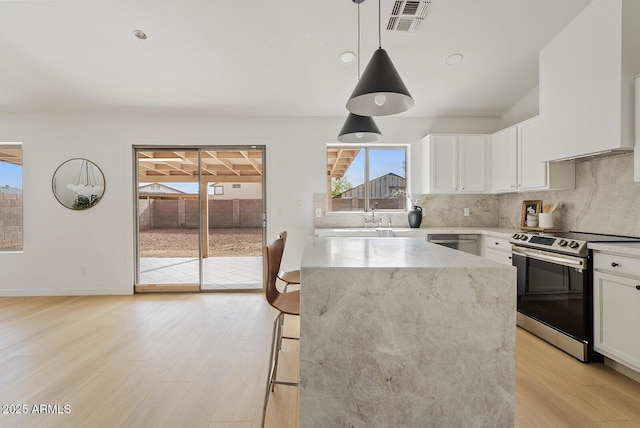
(273, 364)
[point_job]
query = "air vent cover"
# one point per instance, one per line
(408, 15)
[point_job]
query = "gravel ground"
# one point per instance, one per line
(184, 242)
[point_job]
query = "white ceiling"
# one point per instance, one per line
(264, 57)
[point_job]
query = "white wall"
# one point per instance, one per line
(59, 243)
(526, 108)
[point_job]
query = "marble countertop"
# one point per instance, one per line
(374, 252)
(393, 330)
(623, 248)
(500, 232)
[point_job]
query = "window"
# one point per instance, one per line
(218, 190)
(11, 197)
(362, 177)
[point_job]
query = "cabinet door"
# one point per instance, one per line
(532, 171)
(499, 256)
(472, 163)
(505, 160)
(444, 163)
(617, 317)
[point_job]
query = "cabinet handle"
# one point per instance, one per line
(614, 264)
(497, 243)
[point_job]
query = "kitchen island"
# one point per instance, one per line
(401, 332)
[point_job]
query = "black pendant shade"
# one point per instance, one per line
(359, 129)
(380, 91)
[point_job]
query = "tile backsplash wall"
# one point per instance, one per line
(605, 200)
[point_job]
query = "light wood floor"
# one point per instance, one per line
(200, 360)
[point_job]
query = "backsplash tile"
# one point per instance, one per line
(605, 200)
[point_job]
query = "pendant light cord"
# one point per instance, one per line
(358, 41)
(379, 26)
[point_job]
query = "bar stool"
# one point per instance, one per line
(285, 303)
(291, 276)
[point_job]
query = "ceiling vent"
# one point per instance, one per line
(408, 15)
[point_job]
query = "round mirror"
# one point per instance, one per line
(78, 184)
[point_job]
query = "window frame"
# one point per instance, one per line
(18, 146)
(367, 147)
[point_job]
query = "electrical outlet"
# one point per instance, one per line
(299, 205)
(466, 212)
(318, 212)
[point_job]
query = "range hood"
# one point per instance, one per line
(596, 155)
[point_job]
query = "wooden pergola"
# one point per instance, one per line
(339, 160)
(226, 166)
(217, 166)
(11, 155)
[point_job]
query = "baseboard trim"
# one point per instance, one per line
(621, 368)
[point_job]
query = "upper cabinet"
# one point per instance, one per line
(455, 163)
(505, 160)
(518, 164)
(586, 82)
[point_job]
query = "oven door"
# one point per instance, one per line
(552, 289)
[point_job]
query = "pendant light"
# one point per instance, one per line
(380, 91)
(359, 129)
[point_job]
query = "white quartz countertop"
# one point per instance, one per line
(374, 252)
(623, 248)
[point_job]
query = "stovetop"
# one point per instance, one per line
(574, 243)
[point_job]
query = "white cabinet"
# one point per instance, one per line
(518, 165)
(498, 250)
(586, 83)
(616, 289)
(456, 163)
(532, 171)
(505, 164)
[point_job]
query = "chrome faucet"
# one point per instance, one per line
(373, 222)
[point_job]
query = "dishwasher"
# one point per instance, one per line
(467, 243)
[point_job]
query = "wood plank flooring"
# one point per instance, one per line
(200, 360)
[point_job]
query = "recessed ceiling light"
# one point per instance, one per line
(454, 59)
(140, 34)
(347, 57)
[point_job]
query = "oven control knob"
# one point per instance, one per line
(574, 244)
(562, 243)
(516, 236)
(523, 237)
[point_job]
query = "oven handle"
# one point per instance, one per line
(546, 257)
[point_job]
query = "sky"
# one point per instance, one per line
(381, 162)
(10, 175)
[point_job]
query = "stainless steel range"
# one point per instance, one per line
(555, 287)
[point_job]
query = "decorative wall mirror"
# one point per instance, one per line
(78, 184)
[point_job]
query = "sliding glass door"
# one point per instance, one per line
(199, 218)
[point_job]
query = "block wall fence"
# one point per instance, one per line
(158, 213)
(10, 221)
